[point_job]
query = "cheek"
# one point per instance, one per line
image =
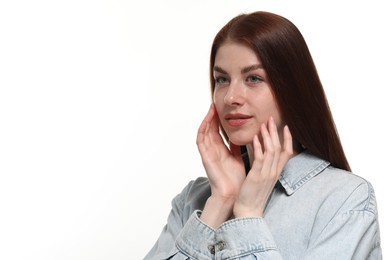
(266, 108)
(278, 118)
(218, 101)
(219, 106)
(276, 114)
(216, 95)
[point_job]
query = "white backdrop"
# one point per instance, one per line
(100, 102)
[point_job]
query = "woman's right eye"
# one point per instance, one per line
(221, 80)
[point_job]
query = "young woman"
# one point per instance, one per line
(282, 187)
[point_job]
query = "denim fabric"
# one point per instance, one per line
(316, 211)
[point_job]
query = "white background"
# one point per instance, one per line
(100, 102)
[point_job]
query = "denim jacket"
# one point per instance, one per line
(315, 212)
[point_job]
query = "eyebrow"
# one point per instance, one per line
(219, 69)
(244, 70)
(252, 67)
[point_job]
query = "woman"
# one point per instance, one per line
(282, 187)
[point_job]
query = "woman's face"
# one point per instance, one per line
(242, 96)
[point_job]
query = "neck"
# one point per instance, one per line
(251, 155)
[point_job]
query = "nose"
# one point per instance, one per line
(234, 95)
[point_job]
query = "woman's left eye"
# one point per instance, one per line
(254, 79)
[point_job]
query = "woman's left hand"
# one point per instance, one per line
(266, 169)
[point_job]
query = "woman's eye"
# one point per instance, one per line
(221, 80)
(254, 79)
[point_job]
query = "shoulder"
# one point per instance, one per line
(198, 190)
(196, 186)
(194, 194)
(353, 191)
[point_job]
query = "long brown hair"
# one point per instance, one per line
(293, 77)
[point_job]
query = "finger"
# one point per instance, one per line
(273, 130)
(213, 134)
(214, 126)
(288, 151)
(210, 124)
(209, 138)
(269, 152)
(258, 154)
(259, 175)
(209, 118)
(266, 137)
(204, 127)
(287, 140)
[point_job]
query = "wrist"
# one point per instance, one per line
(240, 211)
(217, 210)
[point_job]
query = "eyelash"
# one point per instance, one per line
(218, 79)
(252, 79)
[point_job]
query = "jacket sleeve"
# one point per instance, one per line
(165, 247)
(241, 238)
(353, 233)
(185, 236)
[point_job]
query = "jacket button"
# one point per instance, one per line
(221, 245)
(212, 249)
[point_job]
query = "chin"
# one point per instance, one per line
(241, 140)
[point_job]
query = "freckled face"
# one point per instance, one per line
(242, 96)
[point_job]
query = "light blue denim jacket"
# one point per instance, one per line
(315, 212)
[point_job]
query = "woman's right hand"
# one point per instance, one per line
(224, 167)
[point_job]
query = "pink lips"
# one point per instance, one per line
(237, 119)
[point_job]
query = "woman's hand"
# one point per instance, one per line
(225, 170)
(232, 192)
(265, 171)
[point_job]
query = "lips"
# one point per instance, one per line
(236, 119)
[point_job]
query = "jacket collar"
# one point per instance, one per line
(300, 169)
